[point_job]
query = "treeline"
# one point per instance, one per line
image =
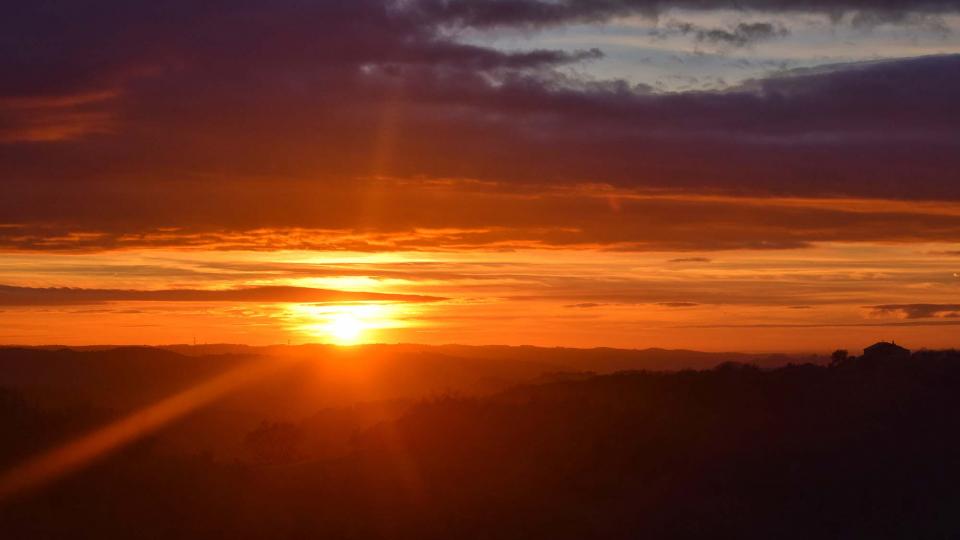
(863, 448)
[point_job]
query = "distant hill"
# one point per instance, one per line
(131, 376)
(109, 381)
(600, 359)
(865, 447)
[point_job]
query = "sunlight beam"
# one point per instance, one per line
(47, 467)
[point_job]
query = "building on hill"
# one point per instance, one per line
(886, 350)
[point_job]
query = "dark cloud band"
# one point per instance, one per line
(56, 296)
(552, 12)
(918, 311)
(123, 121)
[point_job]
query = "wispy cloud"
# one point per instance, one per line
(690, 260)
(741, 34)
(56, 296)
(427, 217)
(917, 311)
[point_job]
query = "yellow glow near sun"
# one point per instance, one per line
(349, 324)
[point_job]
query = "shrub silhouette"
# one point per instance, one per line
(274, 443)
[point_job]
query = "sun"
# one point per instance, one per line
(343, 324)
(345, 328)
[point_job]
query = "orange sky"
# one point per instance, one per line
(808, 299)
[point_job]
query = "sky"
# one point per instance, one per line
(759, 175)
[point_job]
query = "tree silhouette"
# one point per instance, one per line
(273, 443)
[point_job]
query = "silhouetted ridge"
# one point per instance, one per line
(866, 447)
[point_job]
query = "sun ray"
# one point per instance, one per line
(80, 452)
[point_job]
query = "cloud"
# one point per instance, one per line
(825, 325)
(49, 119)
(427, 216)
(917, 311)
(59, 296)
(763, 285)
(486, 13)
(586, 305)
(258, 125)
(929, 21)
(857, 129)
(691, 260)
(742, 34)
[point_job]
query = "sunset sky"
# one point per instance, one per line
(758, 175)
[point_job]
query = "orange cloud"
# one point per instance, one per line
(55, 118)
(52, 296)
(461, 215)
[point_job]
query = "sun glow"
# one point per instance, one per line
(349, 324)
(345, 328)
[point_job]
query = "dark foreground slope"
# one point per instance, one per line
(863, 449)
